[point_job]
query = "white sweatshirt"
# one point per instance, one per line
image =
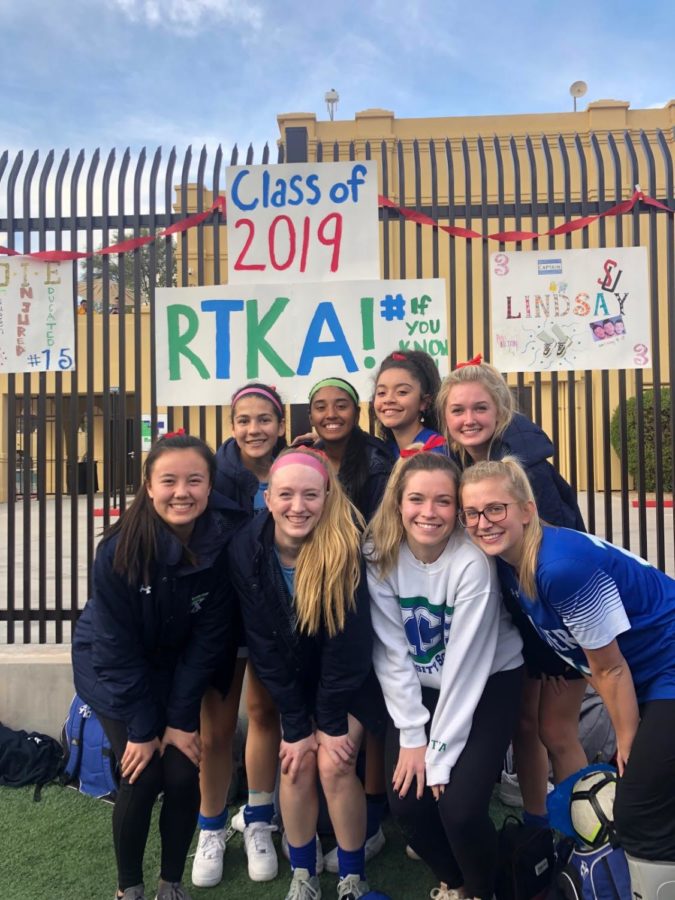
(439, 625)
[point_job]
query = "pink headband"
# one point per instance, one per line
(262, 393)
(300, 458)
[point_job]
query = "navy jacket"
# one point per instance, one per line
(307, 677)
(556, 500)
(144, 653)
(380, 463)
(233, 481)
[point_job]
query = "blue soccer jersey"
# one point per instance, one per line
(591, 593)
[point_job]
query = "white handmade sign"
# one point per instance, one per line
(37, 331)
(302, 222)
(210, 340)
(557, 310)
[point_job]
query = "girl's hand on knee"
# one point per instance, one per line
(135, 758)
(437, 790)
(411, 764)
(188, 742)
(340, 749)
(291, 754)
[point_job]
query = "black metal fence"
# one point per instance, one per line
(58, 499)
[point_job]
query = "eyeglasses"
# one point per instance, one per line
(492, 513)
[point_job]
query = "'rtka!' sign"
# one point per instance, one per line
(302, 222)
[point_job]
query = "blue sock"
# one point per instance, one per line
(533, 819)
(262, 813)
(376, 805)
(213, 823)
(352, 862)
(304, 857)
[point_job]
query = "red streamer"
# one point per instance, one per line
(410, 215)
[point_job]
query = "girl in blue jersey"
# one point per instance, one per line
(480, 422)
(159, 621)
(611, 615)
(242, 467)
(406, 386)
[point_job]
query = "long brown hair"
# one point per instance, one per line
(423, 369)
(140, 526)
(518, 486)
(328, 568)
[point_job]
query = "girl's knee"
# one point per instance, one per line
(331, 774)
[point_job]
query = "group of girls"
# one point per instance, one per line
(421, 556)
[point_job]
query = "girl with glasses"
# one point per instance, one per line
(480, 422)
(611, 615)
(449, 663)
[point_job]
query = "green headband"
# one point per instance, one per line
(337, 383)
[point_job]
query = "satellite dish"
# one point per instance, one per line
(578, 89)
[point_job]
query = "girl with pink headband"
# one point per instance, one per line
(297, 571)
(242, 469)
(363, 464)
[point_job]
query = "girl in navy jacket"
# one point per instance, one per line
(477, 407)
(242, 467)
(363, 464)
(297, 571)
(155, 628)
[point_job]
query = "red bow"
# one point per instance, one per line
(434, 441)
(476, 361)
(179, 433)
(399, 357)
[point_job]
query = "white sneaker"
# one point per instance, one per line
(509, 790)
(304, 886)
(351, 887)
(259, 848)
(373, 846)
(319, 853)
(207, 868)
(445, 893)
(237, 821)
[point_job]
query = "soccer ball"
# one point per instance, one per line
(592, 808)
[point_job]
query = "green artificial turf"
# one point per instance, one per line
(60, 848)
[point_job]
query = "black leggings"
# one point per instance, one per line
(178, 778)
(644, 809)
(455, 836)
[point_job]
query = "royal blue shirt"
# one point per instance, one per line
(590, 593)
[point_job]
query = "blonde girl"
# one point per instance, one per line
(450, 666)
(611, 615)
(306, 610)
(480, 422)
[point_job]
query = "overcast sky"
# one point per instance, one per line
(89, 73)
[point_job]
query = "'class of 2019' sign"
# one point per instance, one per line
(302, 222)
(210, 340)
(37, 331)
(558, 310)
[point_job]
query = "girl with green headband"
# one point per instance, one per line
(361, 462)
